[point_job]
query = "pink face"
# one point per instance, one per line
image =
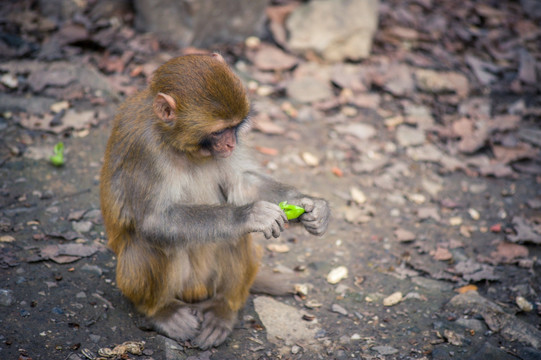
(220, 144)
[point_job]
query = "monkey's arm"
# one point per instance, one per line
(186, 224)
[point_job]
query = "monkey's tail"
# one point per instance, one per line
(267, 282)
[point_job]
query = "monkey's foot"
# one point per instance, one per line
(214, 330)
(181, 323)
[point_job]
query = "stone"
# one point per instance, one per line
(6, 297)
(285, 322)
(409, 136)
(309, 89)
(496, 318)
(334, 29)
(200, 23)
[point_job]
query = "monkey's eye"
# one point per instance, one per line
(218, 133)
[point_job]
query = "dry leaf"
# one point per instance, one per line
(465, 289)
(404, 235)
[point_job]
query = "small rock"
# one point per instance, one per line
(82, 226)
(409, 136)
(309, 89)
(337, 274)
(455, 221)
(385, 350)
(310, 159)
(474, 214)
(339, 309)
(357, 195)
(93, 269)
(6, 297)
(80, 295)
(295, 349)
(524, 304)
(453, 338)
(59, 106)
(472, 324)
(94, 338)
(7, 238)
(359, 130)
(393, 299)
(278, 248)
(355, 337)
(58, 311)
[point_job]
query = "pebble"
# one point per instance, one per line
(278, 248)
(472, 324)
(339, 309)
(82, 226)
(393, 299)
(58, 311)
(6, 297)
(524, 304)
(357, 195)
(337, 274)
(385, 350)
(94, 338)
(295, 349)
(310, 159)
(474, 214)
(93, 269)
(409, 136)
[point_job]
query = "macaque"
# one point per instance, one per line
(180, 198)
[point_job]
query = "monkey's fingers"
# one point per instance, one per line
(267, 233)
(308, 204)
(214, 331)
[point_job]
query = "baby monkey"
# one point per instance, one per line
(180, 198)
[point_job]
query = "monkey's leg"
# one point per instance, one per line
(177, 321)
(220, 316)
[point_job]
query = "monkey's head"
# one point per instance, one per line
(200, 104)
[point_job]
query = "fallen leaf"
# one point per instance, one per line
(262, 122)
(404, 235)
(272, 58)
(442, 254)
(466, 288)
(267, 150)
(360, 131)
(524, 232)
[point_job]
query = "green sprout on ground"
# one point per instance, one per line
(58, 158)
(292, 211)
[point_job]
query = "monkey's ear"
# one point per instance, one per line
(218, 57)
(164, 107)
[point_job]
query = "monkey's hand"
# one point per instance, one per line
(316, 216)
(265, 217)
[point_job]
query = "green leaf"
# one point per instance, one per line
(292, 211)
(58, 158)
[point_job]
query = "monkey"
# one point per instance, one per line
(181, 196)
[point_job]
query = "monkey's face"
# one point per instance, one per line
(219, 144)
(222, 142)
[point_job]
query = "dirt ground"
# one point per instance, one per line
(456, 233)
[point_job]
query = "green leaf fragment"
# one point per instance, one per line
(58, 158)
(292, 211)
